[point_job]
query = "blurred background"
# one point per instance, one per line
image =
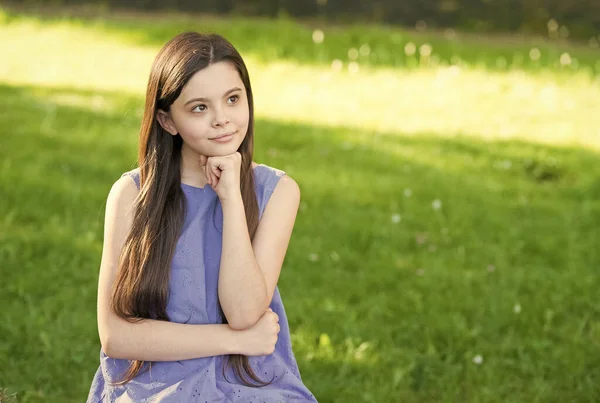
(446, 248)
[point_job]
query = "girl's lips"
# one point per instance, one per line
(224, 139)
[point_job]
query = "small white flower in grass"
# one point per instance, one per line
(436, 204)
(337, 65)
(552, 25)
(313, 257)
(396, 218)
(410, 49)
(353, 67)
(478, 359)
(517, 308)
(352, 54)
(565, 59)
(365, 50)
(318, 36)
(535, 54)
(425, 50)
(407, 192)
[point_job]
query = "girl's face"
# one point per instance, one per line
(213, 103)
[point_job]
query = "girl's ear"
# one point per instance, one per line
(164, 119)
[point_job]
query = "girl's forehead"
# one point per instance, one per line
(212, 81)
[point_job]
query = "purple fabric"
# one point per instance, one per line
(193, 299)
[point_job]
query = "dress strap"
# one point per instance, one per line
(135, 175)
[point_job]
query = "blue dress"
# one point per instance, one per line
(193, 299)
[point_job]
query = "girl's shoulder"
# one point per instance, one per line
(266, 176)
(133, 174)
(266, 170)
(266, 179)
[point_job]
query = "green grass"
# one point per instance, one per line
(386, 44)
(389, 298)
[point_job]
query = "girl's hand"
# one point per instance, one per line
(223, 174)
(261, 338)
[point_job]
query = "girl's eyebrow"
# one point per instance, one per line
(206, 100)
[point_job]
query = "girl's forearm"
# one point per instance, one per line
(156, 340)
(242, 287)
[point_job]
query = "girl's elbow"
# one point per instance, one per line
(110, 345)
(239, 325)
(241, 322)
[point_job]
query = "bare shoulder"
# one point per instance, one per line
(288, 185)
(120, 208)
(122, 195)
(286, 192)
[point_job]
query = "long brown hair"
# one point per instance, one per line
(141, 286)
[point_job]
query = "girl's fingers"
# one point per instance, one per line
(216, 171)
(212, 169)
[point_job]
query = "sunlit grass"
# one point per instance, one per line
(547, 106)
(314, 43)
(448, 101)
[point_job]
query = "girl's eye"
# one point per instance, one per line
(234, 97)
(200, 108)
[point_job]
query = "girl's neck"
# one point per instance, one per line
(191, 172)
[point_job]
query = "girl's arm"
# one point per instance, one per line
(249, 271)
(148, 340)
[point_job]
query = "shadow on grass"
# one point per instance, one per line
(420, 247)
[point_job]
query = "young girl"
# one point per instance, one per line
(194, 241)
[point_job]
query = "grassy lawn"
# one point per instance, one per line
(446, 249)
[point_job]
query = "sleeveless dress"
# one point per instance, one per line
(193, 299)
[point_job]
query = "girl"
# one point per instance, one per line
(194, 241)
